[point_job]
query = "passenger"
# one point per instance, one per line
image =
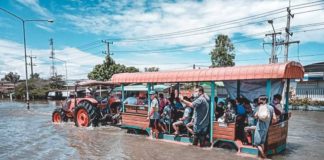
(231, 105)
(140, 100)
(183, 121)
(132, 100)
(190, 125)
(162, 102)
(178, 104)
(240, 119)
(216, 100)
(153, 113)
(255, 104)
(166, 116)
(201, 122)
(265, 116)
(277, 106)
(219, 110)
(249, 122)
(88, 93)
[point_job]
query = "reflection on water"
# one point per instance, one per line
(31, 135)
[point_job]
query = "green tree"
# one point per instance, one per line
(38, 88)
(35, 76)
(13, 78)
(108, 68)
(151, 69)
(223, 54)
(56, 82)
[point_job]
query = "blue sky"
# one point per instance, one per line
(171, 35)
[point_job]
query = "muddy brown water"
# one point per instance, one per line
(31, 135)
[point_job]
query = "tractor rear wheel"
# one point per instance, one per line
(85, 114)
(59, 116)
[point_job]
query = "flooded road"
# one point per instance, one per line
(32, 135)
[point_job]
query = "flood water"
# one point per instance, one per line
(32, 135)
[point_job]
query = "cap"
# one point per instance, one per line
(152, 92)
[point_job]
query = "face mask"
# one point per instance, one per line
(195, 95)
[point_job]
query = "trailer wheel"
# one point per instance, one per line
(58, 116)
(85, 115)
(227, 145)
(131, 131)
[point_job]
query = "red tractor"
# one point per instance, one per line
(86, 110)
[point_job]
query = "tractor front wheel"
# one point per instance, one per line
(59, 116)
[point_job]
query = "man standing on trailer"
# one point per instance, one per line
(201, 115)
(153, 113)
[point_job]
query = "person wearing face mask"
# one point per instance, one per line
(201, 115)
(278, 107)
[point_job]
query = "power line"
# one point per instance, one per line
(257, 16)
(199, 33)
(184, 33)
(204, 45)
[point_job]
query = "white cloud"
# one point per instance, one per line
(133, 19)
(48, 29)
(12, 60)
(171, 17)
(34, 5)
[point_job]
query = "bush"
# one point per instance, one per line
(305, 102)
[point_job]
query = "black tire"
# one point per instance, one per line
(227, 145)
(92, 114)
(131, 131)
(61, 113)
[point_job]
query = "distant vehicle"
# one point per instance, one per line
(89, 109)
(55, 95)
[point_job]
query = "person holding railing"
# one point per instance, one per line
(201, 122)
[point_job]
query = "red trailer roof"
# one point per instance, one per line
(94, 83)
(267, 71)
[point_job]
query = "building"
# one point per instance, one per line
(312, 86)
(6, 88)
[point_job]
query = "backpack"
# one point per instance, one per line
(263, 113)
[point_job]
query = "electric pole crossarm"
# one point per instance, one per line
(271, 34)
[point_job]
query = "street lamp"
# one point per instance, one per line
(66, 75)
(23, 23)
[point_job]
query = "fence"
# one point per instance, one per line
(313, 93)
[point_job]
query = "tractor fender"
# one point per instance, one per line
(91, 100)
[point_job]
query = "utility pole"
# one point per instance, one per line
(288, 34)
(273, 58)
(31, 64)
(52, 57)
(108, 49)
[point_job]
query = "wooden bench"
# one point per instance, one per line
(224, 131)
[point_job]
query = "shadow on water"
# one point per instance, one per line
(32, 135)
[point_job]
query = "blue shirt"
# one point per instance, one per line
(131, 101)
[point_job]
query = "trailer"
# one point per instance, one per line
(270, 79)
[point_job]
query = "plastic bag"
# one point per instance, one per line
(263, 113)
